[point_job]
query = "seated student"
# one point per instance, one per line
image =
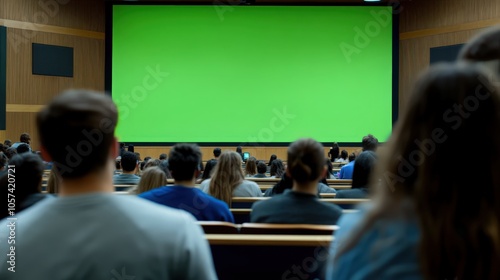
(428, 221)
(10, 152)
(23, 139)
(347, 170)
(369, 143)
(92, 233)
(363, 167)
(23, 148)
(184, 160)
(53, 181)
(26, 190)
(163, 157)
(329, 170)
(129, 166)
(343, 157)
(152, 178)
(306, 166)
(286, 183)
(277, 169)
(7, 143)
(261, 170)
(3, 163)
(228, 180)
(207, 173)
(239, 151)
(251, 167)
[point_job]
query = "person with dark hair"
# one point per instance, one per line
(343, 157)
(7, 143)
(329, 169)
(426, 222)
(27, 171)
(144, 162)
(138, 155)
(261, 170)
(163, 157)
(3, 163)
(207, 173)
(152, 163)
(286, 184)
(23, 139)
(122, 149)
(129, 165)
(363, 167)
(184, 160)
(347, 170)
(277, 169)
(10, 152)
(23, 148)
(96, 234)
(239, 151)
(306, 166)
(273, 157)
(131, 148)
(369, 143)
(333, 154)
(251, 167)
(164, 167)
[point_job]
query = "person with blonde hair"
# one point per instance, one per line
(433, 215)
(228, 180)
(151, 178)
(53, 181)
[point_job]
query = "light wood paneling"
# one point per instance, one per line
(25, 88)
(78, 14)
(21, 108)
(50, 29)
(18, 123)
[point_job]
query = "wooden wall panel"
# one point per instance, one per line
(80, 14)
(25, 88)
(18, 123)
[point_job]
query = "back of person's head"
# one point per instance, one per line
(343, 154)
(251, 166)
(306, 161)
(152, 163)
(143, 163)
(369, 143)
(25, 138)
(28, 173)
(163, 157)
(352, 157)
(363, 167)
(455, 204)
(227, 175)
(138, 155)
(335, 151)
(129, 162)
(273, 157)
(118, 165)
(277, 168)
(7, 143)
(239, 150)
(261, 167)
(3, 160)
(217, 152)
(131, 148)
(10, 152)
(88, 120)
(485, 46)
(152, 178)
(164, 167)
(122, 145)
(23, 148)
(183, 161)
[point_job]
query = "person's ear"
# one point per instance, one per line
(45, 155)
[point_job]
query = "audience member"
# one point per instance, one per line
(277, 169)
(152, 163)
(107, 231)
(239, 151)
(329, 169)
(306, 166)
(138, 155)
(343, 157)
(118, 165)
(261, 170)
(23, 148)
(273, 157)
(229, 181)
(10, 152)
(426, 221)
(7, 143)
(3, 163)
(286, 183)
(164, 167)
(251, 167)
(184, 160)
(143, 163)
(369, 143)
(129, 165)
(152, 178)
(347, 170)
(163, 157)
(122, 149)
(211, 164)
(23, 139)
(333, 154)
(27, 172)
(363, 167)
(131, 149)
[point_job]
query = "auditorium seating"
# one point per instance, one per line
(214, 227)
(247, 202)
(242, 215)
(300, 229)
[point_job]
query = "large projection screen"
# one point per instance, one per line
(253, 74)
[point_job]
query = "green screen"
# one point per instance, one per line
(247, 74)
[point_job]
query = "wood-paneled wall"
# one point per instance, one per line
(71, 23)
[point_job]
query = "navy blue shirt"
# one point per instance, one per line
(201, 205)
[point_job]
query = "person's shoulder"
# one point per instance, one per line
(249, 183)
(137, 206)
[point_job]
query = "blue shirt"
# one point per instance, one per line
(346, 171)
(201, 205)
(387, 250)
